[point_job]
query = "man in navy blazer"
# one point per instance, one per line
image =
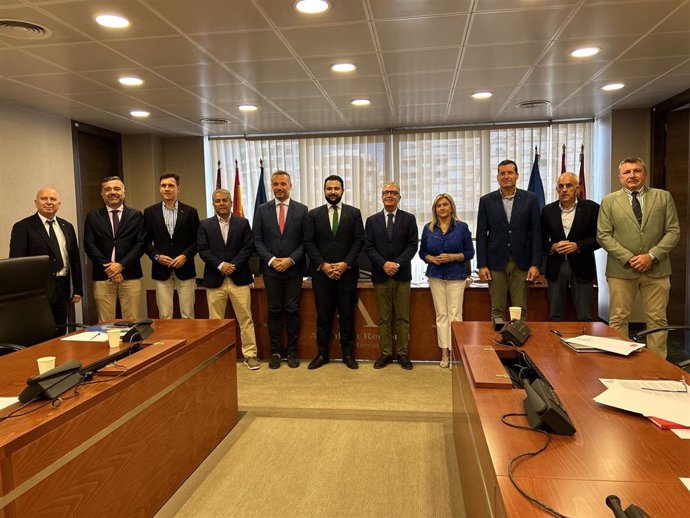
(279, 240)
(225, 244)
(333, 239)
(508, 241)
(171, 228)
(32, 236)
(115, 240)
(390, 241)
(569, 239)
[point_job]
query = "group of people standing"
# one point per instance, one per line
(637, 226)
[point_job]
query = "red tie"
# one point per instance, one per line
(281, 217)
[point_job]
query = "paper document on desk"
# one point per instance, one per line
(7, 401)
(637, 396)
(682, 433)
(611, 345)
(87, 336)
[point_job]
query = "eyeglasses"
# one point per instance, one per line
(390, 193)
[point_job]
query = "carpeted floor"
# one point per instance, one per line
(332, 442)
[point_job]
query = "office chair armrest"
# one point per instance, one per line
(10, 348)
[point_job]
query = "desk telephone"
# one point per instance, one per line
(545, 410)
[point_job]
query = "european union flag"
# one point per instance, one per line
(261, 189)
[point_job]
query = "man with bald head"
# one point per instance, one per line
(44, 233)
(569, 239)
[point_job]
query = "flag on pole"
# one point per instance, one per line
(218, 176)
(237, 209)
(261, 189)
(583, 191)
(563, 160)
(535, 184)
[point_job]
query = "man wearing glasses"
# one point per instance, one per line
(390, 242)
(638, 227)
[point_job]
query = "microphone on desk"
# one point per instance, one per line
(614, 503)
(658, 330)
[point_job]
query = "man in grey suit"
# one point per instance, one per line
(638, 227)
(279, 241)
(333, 240)
(390, 241)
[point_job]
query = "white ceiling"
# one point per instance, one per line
(418, 61)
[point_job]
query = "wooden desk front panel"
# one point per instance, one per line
(423, 341)
(131, 441)
(610, 445)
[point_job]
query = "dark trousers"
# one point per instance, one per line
(283, 295)
(330, 295)
(582, 293)
(59, 301)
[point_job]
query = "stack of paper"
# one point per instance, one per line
(588, 343)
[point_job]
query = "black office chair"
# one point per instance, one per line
(685, 364)
(25, 316)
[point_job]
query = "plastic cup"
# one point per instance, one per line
(45, 364)
(515, 312)
(114, 338)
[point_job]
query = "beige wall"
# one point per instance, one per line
(35, 151)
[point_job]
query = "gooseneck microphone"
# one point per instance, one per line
(614, 503)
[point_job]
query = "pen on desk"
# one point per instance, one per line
(556, 332)
(95, 335)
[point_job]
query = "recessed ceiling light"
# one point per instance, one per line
(612, 86)
(360, 102)
(585, 52)
(312, 6)
(112, 21)
(139, 113)
(247, 108)
(343, 67)
(482, 95)
(131, 81)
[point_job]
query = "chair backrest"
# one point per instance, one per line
(25, 288)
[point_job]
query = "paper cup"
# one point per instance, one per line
(114, 337)
(515, 312)
(45, 364)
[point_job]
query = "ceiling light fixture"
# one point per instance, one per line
(585, 52)
(247, 108)
(139, 113)
(343, 67)
(312, 6)
(360, 102)
(131, 81)
(112, 21)
(482, 95)
(612, 86)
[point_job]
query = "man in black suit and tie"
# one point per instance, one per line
(508, 241)
(115, 240)
(46, 234)
(390, 241)
(171, 228)
(279, 240)
(225, 244)
(569, 239)
(333, 239)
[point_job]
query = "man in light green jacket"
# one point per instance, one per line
(638, 227)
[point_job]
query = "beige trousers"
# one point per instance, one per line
(240, 298)
(106, 294)
(185, 294)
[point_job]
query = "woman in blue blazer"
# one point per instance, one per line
(446, 245)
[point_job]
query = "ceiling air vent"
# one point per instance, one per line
(534, 104)
(215, 121)
(23, 30)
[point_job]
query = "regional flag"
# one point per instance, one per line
(583, 191)
(535, 184)
(237, 209)
(218, 185)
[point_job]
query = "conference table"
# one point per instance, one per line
(122, 445)
(613, 452)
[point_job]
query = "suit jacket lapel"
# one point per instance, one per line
(498, 200)
(649, 202)
(626, 206)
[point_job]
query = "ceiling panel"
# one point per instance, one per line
(334, 40)
(419, 33)
(82, 56)
(243, 46)
(411, 8)
(504, 27)
(283, 15)
(156, 52)
(661, 44)
(517, 54)
(16, 62)
(204, 74)
(110, 78)
(192, 16)
(355, 86)
(420, 82)
(64, 83)
(367, 65)
(418, 61)
(272, 70)
(490, 78)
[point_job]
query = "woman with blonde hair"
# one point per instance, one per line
(446, 245)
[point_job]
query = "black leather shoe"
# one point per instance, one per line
(274, 361)
(293, 361)
(383, 360)
(405, 362)
(351, 362)
(317, 362)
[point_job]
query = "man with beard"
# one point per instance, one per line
(333, 240)
(115, 240)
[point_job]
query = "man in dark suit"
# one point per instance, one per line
(115, 240)
(508, 241)
(40, 235)
(569, 239)
(171, 228)
(225, 244)
(638, 227)
(390, 241)
(279, 240)
(333, 240)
